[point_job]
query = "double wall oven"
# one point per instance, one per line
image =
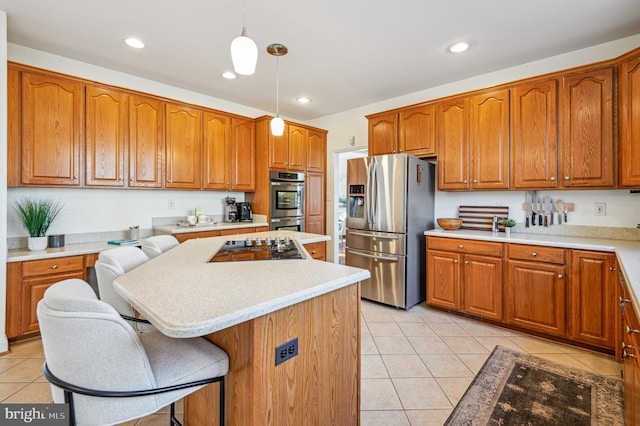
(287, 201)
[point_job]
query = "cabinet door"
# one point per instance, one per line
(453, 145)
(315, 202)
(535, 296)
(243, 155)
(629, 122)
(316, 151)
(383, 134)
(534, 139)
(418, 131)
(105, 138)
(316, 250)
(490, 140)
(443, 279)
(298, 139)
(217, 151)
(14, 118)
(586, 130)
(52, 124)
(146, 142)
(183, 157)
(593, 298)
(279, 149)
(32, 291)
(482, 286)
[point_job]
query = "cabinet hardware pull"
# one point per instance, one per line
(534, 254)
(567, 178)
(624, 300)
(130, 179)
(475, 181)
(612, 269)
(466, 262)
(54, 267)
(625, 346)
(455, 262)
(465, 181)
(552, 179)
(626, 355)
(313, 252)
(560, 276)
(461, 246)
(630, 330)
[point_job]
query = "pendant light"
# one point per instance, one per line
(244, 52)
(277, 123)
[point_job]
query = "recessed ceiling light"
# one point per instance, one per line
(459, 47)
(228, 75)
(303, 100)
(134, 42)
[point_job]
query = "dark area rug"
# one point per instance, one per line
(514, 388)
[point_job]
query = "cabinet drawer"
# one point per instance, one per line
(465, 246)
(536, 253)
(316, 250)
(52, 266)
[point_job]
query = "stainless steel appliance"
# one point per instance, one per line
(390, 205)
(244, 212)
(287, 200)
(258, 249)
(230, 210)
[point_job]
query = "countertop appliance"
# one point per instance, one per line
(287, 201)
(390, 205)
(244, 212)
(230, 210)
(258, 249)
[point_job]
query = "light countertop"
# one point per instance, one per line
(184, 296)
(175, 229)
(627, 251)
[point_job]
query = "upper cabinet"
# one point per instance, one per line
(217, 151)
(146, 142)
(243, 155)
(534, 135)
(317, 151)
(289, 151)
(453, 144)
(411, 130)
(105, 137)
(183, 148)
(629, 120)
(52, 123)
(586, 148)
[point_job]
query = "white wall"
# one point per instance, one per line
(622, 209)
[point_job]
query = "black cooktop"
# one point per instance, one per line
(257, 249)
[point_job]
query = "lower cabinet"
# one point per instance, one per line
(206, 234)
(459, 279)
(317, 250)
(630, 332)
(26, 284)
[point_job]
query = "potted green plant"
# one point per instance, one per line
(36, 216)
(508, 223)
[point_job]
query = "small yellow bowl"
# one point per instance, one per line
(449, 223)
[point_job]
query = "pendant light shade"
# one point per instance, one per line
(244, 54)
(277, 126)
(277, 123)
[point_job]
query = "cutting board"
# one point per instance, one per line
(480, 218)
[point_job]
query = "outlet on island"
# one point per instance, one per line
(286, 351)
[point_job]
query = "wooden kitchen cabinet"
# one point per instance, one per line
(534, 138)
(217, 151)
(630, 353)
(535, 288)
(586, 146)
(465, 275)
(14, 132)
(490, 140)
(453, 145)
(52, 130)
(317, 250)
(593, 298)
(629, 120)
(183, 147)
(105, 137)
(315, 203)
(383, 133)
(146, 142)
(243, 155)
(317, 151)
(417, 128)
(26, 284)
(289, 151)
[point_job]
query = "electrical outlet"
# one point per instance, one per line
(172, 204)
(599, 209)
(286, 351)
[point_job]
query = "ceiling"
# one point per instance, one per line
(342, 54)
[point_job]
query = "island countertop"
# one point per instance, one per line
(184, 295)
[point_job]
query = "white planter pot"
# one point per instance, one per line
(507, 231)
(37, 243)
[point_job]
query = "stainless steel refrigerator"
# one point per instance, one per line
(389, 206)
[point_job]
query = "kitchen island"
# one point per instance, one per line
(249, 308)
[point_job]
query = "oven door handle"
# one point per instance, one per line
(374, 256)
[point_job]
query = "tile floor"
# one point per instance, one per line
(416, 365)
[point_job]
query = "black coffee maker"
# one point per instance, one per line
(244, 212)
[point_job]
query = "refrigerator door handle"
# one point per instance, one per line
(367, 196)
(386, 237)
(374, 192)
(374, 256)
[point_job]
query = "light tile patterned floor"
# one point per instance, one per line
(416, 365)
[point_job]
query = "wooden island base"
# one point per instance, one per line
(319, 386)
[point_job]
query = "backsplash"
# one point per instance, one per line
(606, 232)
